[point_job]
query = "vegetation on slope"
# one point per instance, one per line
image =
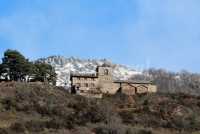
(37, 108)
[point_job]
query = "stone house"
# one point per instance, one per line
(95, 85)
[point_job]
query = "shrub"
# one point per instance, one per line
(3, 131)
(107, 130)
(35, 126)
(9, 103)
(56, 123)
(18, 127)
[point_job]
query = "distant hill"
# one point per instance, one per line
(64, 66)
(37, 108)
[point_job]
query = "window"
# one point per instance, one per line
(85, 78)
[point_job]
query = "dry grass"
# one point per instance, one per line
(39, 108)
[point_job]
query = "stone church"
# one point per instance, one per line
(95, 85)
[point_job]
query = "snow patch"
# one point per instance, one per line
(64, 66)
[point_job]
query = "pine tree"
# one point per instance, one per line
(1, 72)
(31, 71)
(45, 73)
(15, 65)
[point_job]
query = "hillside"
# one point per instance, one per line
(64, 66)
(42, 109)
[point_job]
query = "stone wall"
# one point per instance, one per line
(131, 88)
(84, 82)
(102, 83)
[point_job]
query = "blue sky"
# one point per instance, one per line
(141, 33)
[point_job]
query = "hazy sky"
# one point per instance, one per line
(142, 33)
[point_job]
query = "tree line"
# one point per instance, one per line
(16, 67)
(172, 82)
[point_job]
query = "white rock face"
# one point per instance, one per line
(65, 66)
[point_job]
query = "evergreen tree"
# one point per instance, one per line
(31, 71)
(45, 73)
(15, 65)
(1, 72)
